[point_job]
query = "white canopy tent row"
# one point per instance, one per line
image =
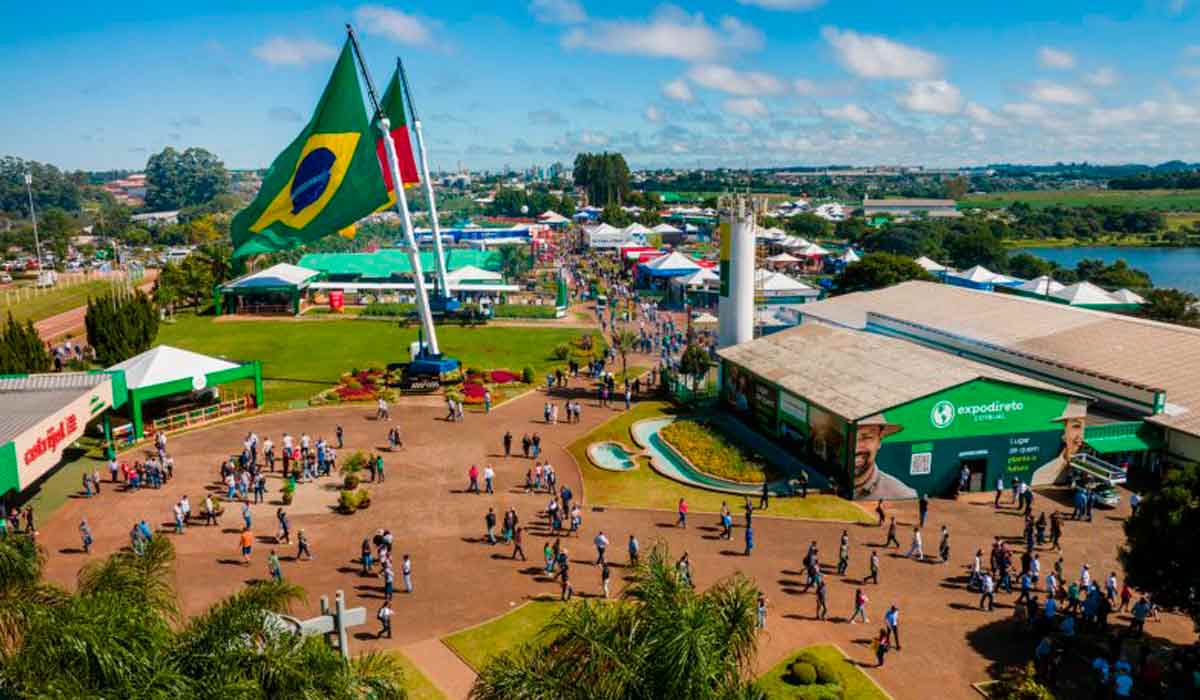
(930, 265)
(1045, 286)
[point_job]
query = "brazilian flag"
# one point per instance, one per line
(325, 181)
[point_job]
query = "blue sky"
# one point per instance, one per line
(736, 83)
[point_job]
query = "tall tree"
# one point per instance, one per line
(878, 270)
(120, 325)
(21, 349)
(1154, 562)
(176, 180)
(624, 342)
(694, 364)
(51, 187)
(605, 177)
(661, 640)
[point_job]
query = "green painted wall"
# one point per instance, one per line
(10, 479)
(921, 446)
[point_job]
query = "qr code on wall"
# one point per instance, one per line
(921, 463)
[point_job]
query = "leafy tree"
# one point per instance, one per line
(614, 215)
(51, 187)
(878, 270)
(111, 220)
(852, 229)
(22, 350)
(1028, 266)
(56, 228)
(899, 240)
(1019, 683)
(694, 364)
(604, 176)
(1114, 276)
(1154, 562)
(808, 226)
(649, 217)
(661, 640)
(979, 248)
(120, 326)
(176, 180)
(956, 187)
(1172, 306)
(126, 639)
(515, 260)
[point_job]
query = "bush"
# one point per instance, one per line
(561, 351)
(527, 375)
(712, 454)
(378, 309)
(802, 673)
(350, 481)
(355, 462)
(825, 672)
(364, 498)
(543, 311)
(348, 501)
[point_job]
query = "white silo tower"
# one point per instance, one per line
(735, 306)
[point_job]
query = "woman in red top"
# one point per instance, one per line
(683, 509)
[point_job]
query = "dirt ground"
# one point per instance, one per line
(461, 581)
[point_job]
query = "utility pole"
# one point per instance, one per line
(37, 244)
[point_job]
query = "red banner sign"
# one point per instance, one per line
(55, 435)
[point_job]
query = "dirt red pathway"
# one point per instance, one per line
(460, 581)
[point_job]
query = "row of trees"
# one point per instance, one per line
(605, 177)
(21, 349)
(120, 634)
(1158, 180)
(120, 325)
(510, 201)
(51, 187)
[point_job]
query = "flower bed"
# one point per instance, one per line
(358, 385)
(712, 454)
(503, 376)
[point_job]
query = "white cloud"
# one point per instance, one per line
(983, 115)
(933, 96)
(393, 24)
(281, 51)
(1026, 111)
(1101, 77)
(652, 114)
(557, 11)
(678, 90)
(804, 86)
(849, 113)
(872, 56)
(669, 33)
(745, 107)
(1056, 59)
(1059, 94)
(726, 79)
(788, 5)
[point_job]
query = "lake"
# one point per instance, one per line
(1168, 267)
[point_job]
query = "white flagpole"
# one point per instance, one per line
(414, 253)
(438, 255)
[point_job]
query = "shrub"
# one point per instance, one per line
(523, 311)
(382, 309)
(289, 492)
(350, 481)
(802, 673)
(527, 375)
(562, 351)
(348, 501)
(825, 672)
(831, 691)
(364, 498)
(355, 462)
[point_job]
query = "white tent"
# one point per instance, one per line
(167, 364)
(1084, 293)
(812, 250)
(794, 242)
(979, 273)
(1041, 285)
(704, 319)
(635, 228)
(470, 272)
(849, 256)
(672, 261)
(769, 281)
(930, 265)
(1125, 296)
(553, 217)
(783, 258)
(602, 228)
(281, 275)
(665, 228)
(699, 278)
(772, 234)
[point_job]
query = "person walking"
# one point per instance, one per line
(765, 499)
(601, 542)
(761, 612)
(999, 491)
(508, 442)
(749, 541)
(246, 540)
(892, 618)
(881, 645)
(517, 539)
(822, 608)
(634, 551)
(365, 557)
(489, 477)
(860, 607)
(302, 550)
(389, 582)
(987, 591)
(880, 511)
(944, 545)
(873, 576)
(891, 535)
(916, 549)
(605, 574)
(923, 509)
(85, 536)
(339, 433)
(843, 554)
(683, 511)
(273, 567)
(385, 621)
(489, 522)
(406, 572)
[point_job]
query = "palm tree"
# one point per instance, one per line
(694, 363)
(661, 640)
(625, 341)
(120, 634)
(514, 261)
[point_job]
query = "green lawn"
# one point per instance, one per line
(1162, 200)
(418, 686)
(48, 302)
(856, 684)
(85, 456)
(478, 644)
(645, 488)
(301, 358)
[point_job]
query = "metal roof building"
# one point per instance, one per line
(1133, 365)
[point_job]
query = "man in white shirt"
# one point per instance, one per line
(601, 542)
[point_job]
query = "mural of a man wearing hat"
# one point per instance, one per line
(869, 480)
(1073, 419)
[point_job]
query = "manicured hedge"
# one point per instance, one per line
(522, 311)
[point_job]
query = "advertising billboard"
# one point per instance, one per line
(41, 447)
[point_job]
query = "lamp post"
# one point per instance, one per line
(37, 244)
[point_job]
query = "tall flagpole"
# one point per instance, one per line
(410, 241)
(439, 256)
